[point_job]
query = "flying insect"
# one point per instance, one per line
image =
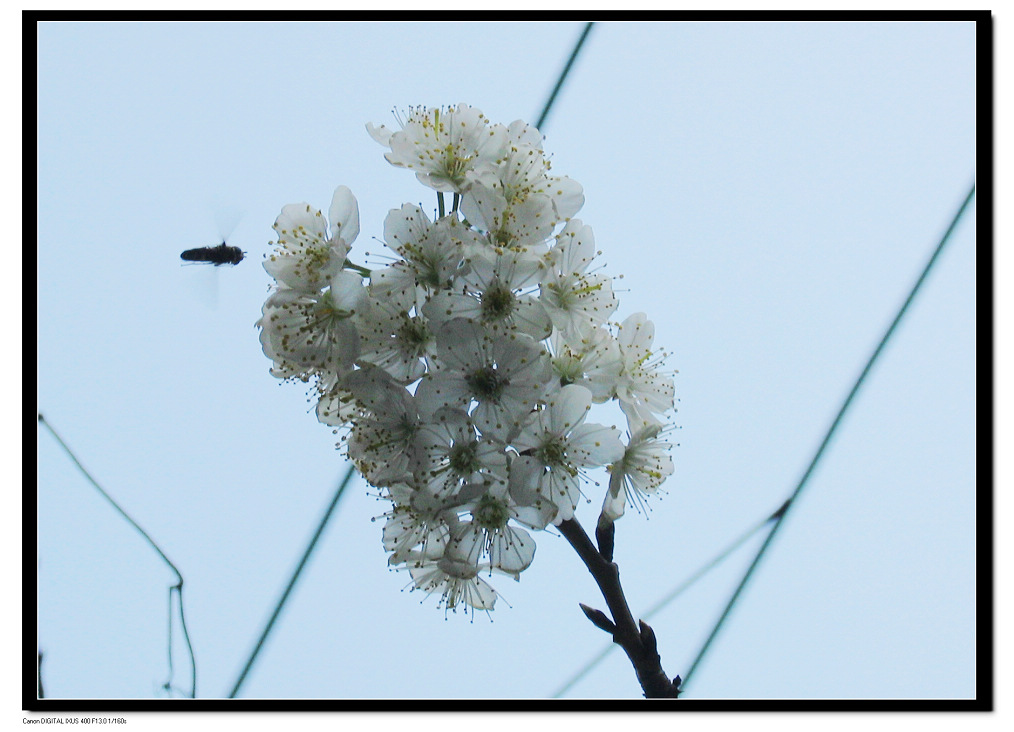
(222, 254)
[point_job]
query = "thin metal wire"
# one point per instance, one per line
(563, 76)
(292, 582)
(178, 587)
(827, 437)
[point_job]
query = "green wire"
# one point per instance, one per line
(830, 432)
(563, 76)
(778, 515)
(292, 582)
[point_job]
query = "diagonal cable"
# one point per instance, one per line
(292, 583)
(563, 76)
(830, 432)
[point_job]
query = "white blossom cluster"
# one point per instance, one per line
(461, 374)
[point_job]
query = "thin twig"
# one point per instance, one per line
(169, 646)
(680, 589)
(636, 639)
(179, 577)
(186, 638)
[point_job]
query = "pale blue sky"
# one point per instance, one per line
(769, 192)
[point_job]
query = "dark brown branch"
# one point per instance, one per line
(636, 639)
(604, 537)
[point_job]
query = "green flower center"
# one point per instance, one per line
(552, 453)
(454, 167)
(462, 459)
(497, 303)
(414, 335)
(486, 384)
(503, 236)
(317, 257)
(492, 513)
(326, 313)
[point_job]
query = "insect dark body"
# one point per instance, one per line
(222, 254)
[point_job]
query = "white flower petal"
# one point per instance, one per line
(568, 408)
(344, 215)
